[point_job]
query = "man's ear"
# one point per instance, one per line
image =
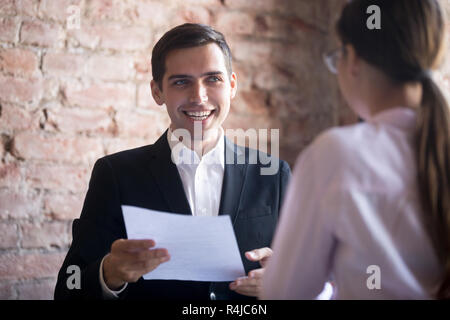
(156, 93)
(233, 84)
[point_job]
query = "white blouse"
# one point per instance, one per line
(352, 215)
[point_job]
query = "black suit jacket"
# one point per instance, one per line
(146, 177)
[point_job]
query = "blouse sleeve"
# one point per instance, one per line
(304, 240)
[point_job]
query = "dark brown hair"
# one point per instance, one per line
(187, 35)
(408, 45)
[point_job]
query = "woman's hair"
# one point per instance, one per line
(408, 45)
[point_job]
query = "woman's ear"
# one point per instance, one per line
(353, 60)
(157, 93)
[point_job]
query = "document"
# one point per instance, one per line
(200, 248)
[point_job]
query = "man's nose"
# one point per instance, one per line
(198, 93)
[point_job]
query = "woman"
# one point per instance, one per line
(368, 206)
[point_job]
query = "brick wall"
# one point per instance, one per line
(71, 95)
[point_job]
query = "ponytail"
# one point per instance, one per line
(433, 158)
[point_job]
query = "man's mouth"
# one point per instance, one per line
(199, 115)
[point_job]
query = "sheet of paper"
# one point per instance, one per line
(200, 248)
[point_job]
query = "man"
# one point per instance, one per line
(192, 76)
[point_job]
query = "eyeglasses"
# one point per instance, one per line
(331, 59)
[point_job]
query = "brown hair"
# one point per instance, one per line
(187, 35)
(408, 45)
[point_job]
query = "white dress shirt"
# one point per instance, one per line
(352, 209)
(201, 177)
(202, 182)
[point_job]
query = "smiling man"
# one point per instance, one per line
(184, 172)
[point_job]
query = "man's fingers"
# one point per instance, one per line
(258, 254)
(244, 282)
(132, 245)
(256, 274)
(249, 291)
(247, 286)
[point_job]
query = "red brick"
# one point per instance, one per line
(125, 38)
(58, 177)
(16, 118)
(2, 149)
(58, 10)
(111, 10)
(250, 102)
(85, 37)
(32, 146)
(266, 5)
(78, 120)
(10, 236)
(9, 29)
(37, 290)
(7, 291)
(103, 95)
(27, 7)
(245, 122)
(10, 174)
(120, 144)
(244, 74)
(44, 235)
(7, 8)
(259, 52)
(145, 13)
(270, 77)
(142, 66)
(51, 88)
(63, 64)
(289, 104)
(110, 67)
(63, 206)
(235, 23)
(19, 204)
(43, 34)
(20, 90)
(141, 123)
(29, 266)
(193, 14)
(111, 36)
(19, 62)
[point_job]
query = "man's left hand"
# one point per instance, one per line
(251, 285)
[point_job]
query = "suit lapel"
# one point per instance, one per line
(166, 175)
(233, 180)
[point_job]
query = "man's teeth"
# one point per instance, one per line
(199, 115)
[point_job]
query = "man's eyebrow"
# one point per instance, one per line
(184, 76)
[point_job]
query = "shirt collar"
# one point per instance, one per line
(400, 117)
(182, 155)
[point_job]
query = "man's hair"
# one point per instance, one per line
(187, 35)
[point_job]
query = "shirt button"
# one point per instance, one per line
(212, 296)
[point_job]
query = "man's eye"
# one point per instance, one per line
(213, 79)
(180, 82)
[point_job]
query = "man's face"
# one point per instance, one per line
(196, 88)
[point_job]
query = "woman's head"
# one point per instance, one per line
(408, 45)
(409, 42)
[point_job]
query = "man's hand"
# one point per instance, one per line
(129, 260)
(251, 285)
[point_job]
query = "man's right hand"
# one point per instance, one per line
(131, 259)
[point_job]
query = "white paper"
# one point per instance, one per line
(200, 248)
